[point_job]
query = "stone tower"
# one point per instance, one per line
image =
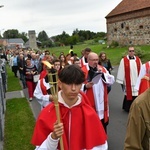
(32, 39)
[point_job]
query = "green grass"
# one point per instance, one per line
(19, 120)
(12, 81)
(19, 124)
(114, 54)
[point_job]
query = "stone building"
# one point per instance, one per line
(129, 23)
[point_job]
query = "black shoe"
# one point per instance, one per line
(30, 99)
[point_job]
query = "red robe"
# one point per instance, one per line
(43, 74)
(145, 84)
(86, 129)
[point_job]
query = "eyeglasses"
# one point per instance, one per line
(93, 59)
(131, 50)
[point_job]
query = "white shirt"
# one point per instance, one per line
(42, 99)
(98, 91)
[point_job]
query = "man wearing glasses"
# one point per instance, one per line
(95, 87)
(128, 72)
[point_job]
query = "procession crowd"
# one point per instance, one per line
(84, 83)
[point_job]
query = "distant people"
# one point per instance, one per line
(69, 59)
(29, 71)
(144, 71)
(14, 64)
(83, 59)
(71, 51)
(21, 65)
(3, 55)
(77, 62)
(128, 72)
(138, 126)
(96, 91)
(105, 62)
(80, 127)
(63, 60)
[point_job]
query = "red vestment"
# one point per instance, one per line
(145, 84)
(90, 92)
(127, 75)
(43, 87)
(86, 130)
(43, 74)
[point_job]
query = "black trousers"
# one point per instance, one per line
(15, 69)
(104, 125)
(127, 103)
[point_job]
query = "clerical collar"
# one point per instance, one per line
(131, 57)
(93, 69)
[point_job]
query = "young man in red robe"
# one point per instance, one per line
(80, 127)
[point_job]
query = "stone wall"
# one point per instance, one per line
(129, 29)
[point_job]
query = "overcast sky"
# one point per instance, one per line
(55, 16)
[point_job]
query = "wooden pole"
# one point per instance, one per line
(54, 91)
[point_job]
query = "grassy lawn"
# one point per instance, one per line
(114, 54)
(19, 120)
(12, 82)
(19, 124)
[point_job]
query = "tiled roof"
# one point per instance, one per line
(129, 5)
(15, 40)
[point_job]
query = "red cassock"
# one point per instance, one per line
(86, 130)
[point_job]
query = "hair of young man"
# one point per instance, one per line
(76, 59)
(87, 50)
(56, 60)
(71, 74)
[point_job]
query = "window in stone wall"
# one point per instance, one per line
(127, 28)
(141, 27)
(115, 29)
(122, 25)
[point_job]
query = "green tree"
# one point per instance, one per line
(42, 36)
(23, 35)
(11, 34)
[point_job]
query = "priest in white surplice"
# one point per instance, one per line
(128, 72)
(95, 87)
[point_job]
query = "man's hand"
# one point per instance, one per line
(58, 130)
(51, 98)
(89, 85)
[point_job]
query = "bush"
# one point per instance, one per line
(114, 44)
(140, 53)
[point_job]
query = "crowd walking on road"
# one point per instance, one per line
(83, 85)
